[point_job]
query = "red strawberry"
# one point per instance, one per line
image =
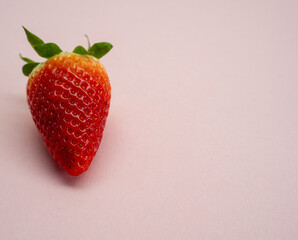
(69, 98)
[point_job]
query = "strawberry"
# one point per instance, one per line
(69, 98)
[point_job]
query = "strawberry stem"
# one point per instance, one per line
(88, 41)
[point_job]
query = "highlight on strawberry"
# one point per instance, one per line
(69, 98)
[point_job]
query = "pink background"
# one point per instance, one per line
(201, 140)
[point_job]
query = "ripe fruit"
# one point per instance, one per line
(69, 98)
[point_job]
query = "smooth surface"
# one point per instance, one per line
(201, 140)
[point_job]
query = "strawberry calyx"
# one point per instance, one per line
(97, 50)
(29, 66)
(48, 50)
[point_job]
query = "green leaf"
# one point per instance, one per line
(27, 68)
(80, 50)
(98, 50)
(26, 59)
(47, 50)
(33, 39)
